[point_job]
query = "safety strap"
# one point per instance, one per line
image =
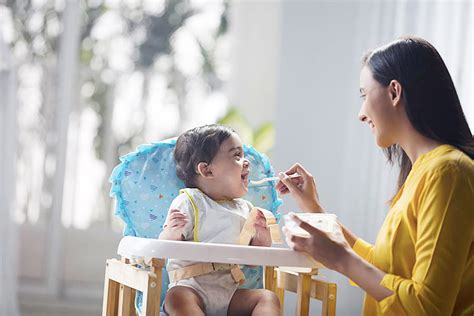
(196, 214)
(248, 231)
(205, 268)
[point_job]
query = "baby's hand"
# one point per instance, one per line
(174, 227)
(262, 232)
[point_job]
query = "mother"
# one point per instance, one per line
(422, 262)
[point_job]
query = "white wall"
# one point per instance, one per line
(255, 36)
(318, 86)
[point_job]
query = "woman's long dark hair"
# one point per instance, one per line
(431, 100)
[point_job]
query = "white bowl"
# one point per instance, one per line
(323, 221)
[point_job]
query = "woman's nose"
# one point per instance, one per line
(362, 116)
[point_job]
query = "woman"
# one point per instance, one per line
(422, 262)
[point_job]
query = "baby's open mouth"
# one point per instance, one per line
(245, 176)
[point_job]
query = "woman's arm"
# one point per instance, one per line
(351, 238)
(365, 275)
(445, 222)
(304, 191)
(346, 260)
(334, 252)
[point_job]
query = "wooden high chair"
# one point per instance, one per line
(144, 185)
(126, 276)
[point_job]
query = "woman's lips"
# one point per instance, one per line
(372, 126)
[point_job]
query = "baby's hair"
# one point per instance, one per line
(196, 145)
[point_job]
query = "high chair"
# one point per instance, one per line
(144, 184)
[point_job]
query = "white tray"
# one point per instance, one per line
(204, 252)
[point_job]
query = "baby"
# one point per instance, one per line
(210, 160)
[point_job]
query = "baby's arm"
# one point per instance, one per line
(262, 232)
(174, 226)
(179, 222)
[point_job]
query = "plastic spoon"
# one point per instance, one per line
(262, 181)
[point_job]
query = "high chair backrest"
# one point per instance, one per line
(145, 183)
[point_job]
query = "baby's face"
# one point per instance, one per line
(230, 169)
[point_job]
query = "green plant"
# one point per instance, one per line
(262, 137)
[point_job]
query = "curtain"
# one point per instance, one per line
(8, 229)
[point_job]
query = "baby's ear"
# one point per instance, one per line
(204, 169)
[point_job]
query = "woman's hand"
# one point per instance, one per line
(333, 251)
(262, 232)
(329, 248)
(174, 226)
(303, 189)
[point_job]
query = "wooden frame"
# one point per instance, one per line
(306, 287)
(123, 278)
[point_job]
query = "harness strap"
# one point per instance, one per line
(248, 230)
(205, 268)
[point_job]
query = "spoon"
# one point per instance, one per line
(261, 181)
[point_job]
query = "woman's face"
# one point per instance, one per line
(377, 109)
(230, 169)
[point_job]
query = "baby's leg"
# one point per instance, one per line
(254, 302)
(183, 300)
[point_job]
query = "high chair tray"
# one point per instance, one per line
(222, 253)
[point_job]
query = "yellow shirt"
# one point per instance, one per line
(426, 244)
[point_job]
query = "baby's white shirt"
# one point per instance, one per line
(218, 221)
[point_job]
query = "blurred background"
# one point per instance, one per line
(83, 82)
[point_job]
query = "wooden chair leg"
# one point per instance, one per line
(121, 282)
(270, 283)
(152, 294)
(126, 300)
(329, 301)
(280, 292)
(151, 298)
(126, 306)
(111, 296)
(303, 293)
(269, 280)
(305, 286)
(325, 292)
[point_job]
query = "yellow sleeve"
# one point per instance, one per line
(364, 250)
(445, 226)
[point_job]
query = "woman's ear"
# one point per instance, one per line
(395, 89)
(204, 169)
